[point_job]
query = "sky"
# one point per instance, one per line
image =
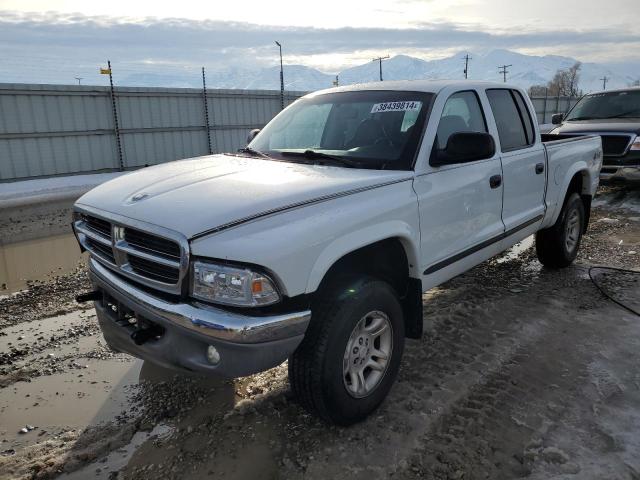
(39, 37)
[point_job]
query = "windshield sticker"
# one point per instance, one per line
(405, 106)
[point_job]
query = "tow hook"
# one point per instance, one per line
(143, 335)
(89, 296)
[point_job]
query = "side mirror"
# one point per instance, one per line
(252, 134)
(464, 147)
(557, 118)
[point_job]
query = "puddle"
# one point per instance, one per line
(36, 259)
(64, 401)
(117, 459)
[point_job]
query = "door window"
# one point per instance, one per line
(511, 128)
(462, 113)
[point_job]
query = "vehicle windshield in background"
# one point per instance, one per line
(625, 104)
(362, 129)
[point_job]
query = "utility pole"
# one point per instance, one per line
(281, 78)
(79, 79)
(466, 65)
(503, 70)
(379, 59)
(604, 79)
(336, 82)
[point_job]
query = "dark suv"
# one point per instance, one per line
(615, 116)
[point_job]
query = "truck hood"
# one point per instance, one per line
(207, 193)
(617, 125)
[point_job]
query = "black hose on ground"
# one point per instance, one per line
(609, 296)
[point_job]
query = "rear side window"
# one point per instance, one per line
(462, 113)
(511, 128)
(526, 117)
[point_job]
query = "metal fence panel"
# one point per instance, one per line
(66, 129)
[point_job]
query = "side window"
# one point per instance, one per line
(510, 126)
(462, 113)
(526, 117)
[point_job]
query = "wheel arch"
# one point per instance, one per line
(392, 259)
(580, 183)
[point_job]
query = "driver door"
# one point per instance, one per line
(460, 205)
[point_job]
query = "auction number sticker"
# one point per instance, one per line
(404, 106)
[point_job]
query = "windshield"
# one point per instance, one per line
(607, 105)
(363, 129)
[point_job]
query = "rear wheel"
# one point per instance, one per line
(558, 246)
(351, 353)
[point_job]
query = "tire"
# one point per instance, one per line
(557, 246)
(340, 318)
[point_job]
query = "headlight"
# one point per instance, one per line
(636, 144)
(232, 286)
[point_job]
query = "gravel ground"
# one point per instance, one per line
(522, 373)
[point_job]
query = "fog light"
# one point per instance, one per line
(213, 356)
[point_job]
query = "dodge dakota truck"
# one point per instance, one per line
(615, 116)
(316, 241)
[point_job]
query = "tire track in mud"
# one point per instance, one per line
(503, 427)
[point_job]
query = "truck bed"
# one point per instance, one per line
(567, 154)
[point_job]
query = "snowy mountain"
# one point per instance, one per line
(524, 70)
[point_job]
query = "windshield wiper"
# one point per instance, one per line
(625, 114)
(582, 118)
(254, 152)
(313, 155)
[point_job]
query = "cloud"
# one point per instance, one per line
(52, 44)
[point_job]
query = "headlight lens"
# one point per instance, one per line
(636, 144)
(232, 286)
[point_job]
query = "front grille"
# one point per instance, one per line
(101, 249)
(152, 244)
(156, 261)
(615, 145)
(155, 271)
(98, 225)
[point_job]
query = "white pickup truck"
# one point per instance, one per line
(316, 242)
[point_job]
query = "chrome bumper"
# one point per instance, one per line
(203, 319)
(629, 173)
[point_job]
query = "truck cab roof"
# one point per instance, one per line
(427, 86)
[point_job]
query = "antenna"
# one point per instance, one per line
(379, 59)
(503, 70)
(466, 65)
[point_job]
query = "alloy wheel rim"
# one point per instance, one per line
(367, 354)
(573, 230)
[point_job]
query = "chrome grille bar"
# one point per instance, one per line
(157, 258)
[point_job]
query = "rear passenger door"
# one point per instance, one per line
(523, 160)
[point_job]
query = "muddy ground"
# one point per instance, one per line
(522, 373)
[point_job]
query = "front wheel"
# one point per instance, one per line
(557, 246)
(351, 353)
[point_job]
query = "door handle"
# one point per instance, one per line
(495, 181)
(539, 168)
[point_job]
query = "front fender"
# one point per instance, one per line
(355, 240)
(298, 246)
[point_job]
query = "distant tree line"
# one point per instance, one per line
(565, 83)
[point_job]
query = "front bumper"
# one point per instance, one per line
(616, 172)
(247, 344)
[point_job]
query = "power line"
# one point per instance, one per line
(466, 65)
(379, 59)
(604, 79)
(503, 70)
